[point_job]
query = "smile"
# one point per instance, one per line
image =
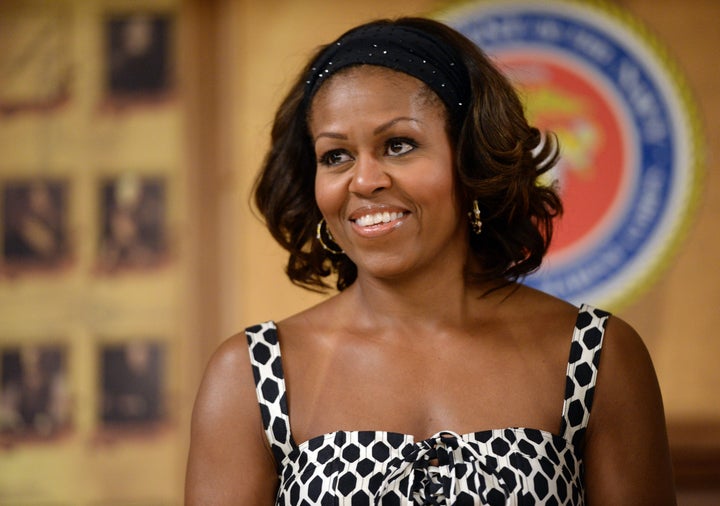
(369, 220)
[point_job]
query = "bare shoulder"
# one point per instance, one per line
(543, 314)
(227, 372)
(229, 461)
(627, 425)
(626, 376)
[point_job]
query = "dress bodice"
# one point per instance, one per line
(505, 466)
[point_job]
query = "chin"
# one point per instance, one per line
(384, 267)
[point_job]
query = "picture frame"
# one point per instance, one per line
(36, 67)
(139, 57)
(35, 393)
(132, 223)
(34, 224)
(132, 383)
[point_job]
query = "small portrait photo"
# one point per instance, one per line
(138, 55)
(36, 66)
(132, 383)
(34, 224)
(35, 399)
(132, 223)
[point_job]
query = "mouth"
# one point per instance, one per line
(378, 221)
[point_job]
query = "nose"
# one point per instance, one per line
(369, 176)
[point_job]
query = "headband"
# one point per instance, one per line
(402, 48)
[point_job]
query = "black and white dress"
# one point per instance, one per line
(511, 466)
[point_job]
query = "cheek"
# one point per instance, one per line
(328, 196)
(440, 185)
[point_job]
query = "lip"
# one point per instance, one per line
(378, 229)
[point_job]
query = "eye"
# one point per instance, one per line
(399, 146)
(335, 157)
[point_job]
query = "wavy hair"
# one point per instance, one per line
(500, 160)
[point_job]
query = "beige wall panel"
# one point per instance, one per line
(679, 314)
(83, 141)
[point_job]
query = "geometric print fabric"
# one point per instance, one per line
(512, 466)
(582, 372)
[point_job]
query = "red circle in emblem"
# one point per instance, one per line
(592, 172)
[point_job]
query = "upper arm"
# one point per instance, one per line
(229, 461)
(627, 460)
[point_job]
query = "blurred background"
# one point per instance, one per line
(130, 135)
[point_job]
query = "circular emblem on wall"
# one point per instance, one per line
(630, 139)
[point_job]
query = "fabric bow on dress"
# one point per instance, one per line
(429, 470)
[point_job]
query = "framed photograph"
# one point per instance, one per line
(35, 55)
(34, 224)
(34, 392)
(138, 55)
(132, 381)
(132, 223)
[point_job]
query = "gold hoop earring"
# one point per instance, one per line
(475, 221)
(319, 235)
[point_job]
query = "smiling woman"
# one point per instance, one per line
(491, 141)
(384, 179)
(401, 162)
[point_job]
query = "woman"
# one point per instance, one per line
(402, 164)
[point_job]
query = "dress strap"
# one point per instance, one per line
(582, 372)
(267, 369)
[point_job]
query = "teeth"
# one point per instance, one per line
(375, 219)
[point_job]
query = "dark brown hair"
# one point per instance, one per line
(499, 161)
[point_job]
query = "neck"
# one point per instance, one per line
(443, 298)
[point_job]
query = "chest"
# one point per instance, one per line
(461, 386)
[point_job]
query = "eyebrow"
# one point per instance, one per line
(378, 130)
(392, 122)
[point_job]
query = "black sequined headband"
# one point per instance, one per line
(402, 48)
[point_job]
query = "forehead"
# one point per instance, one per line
(382, 81)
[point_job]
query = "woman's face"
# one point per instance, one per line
(385, 180)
